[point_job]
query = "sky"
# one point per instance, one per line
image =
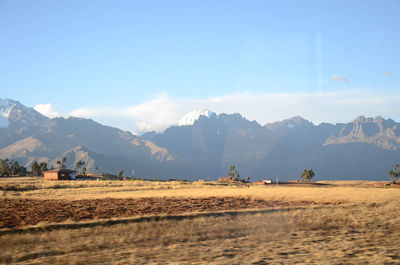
(142, 65)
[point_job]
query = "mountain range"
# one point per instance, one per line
(204, 145)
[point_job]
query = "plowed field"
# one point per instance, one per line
(16, 213)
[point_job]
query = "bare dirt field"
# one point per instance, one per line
(106, 223)
(22, 212)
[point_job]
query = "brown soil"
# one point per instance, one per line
(23, 212)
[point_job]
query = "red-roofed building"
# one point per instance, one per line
(59, 174)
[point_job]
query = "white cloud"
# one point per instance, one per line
(48, 110)
(163, 111)
(156, 114)
(339, 78)
(106, 111)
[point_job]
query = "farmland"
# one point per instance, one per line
(144, 222)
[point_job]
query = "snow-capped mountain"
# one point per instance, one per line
(29, 136)
(366, 148)
(6, 106)
(193, 116)
(14, 111)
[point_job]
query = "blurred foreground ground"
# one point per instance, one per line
(140, 222)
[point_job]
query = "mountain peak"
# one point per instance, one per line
(362, 118)
(379, 119)
(193, 116)
(12, 110)
(377, 131)
(291, 123)
(297, 120)
(6, 106)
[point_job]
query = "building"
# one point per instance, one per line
(264, 182)
(59, 174)
(226, 179)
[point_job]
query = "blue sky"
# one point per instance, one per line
(141, 65)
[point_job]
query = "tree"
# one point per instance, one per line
(120, 173)
(36, 169)
(4, 167)
(11, 167)
(84, 170)
(307, 175)
(21, 171)
(97, 169)
(395, 174)
(81, 164)
(232, 173)
(14, 167)
(43, 166)
(62, 163)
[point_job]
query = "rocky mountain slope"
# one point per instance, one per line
(379, 132)
(29, 136)
(205, 145)
(363, 149)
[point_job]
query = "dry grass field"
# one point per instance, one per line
(143, 222)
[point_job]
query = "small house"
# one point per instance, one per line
(263, 182)
(59, 174)
(226, 179)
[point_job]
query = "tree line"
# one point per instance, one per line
(11, 168)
